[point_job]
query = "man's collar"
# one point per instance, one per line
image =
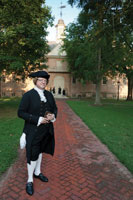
(38, 89)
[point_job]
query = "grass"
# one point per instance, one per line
(112, 123)
(10, 131)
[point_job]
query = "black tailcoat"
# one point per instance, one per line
(30, 109)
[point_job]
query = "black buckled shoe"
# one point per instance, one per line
(29, 188)
(41, 177)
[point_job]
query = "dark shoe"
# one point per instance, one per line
(41, 177)
(29, 188)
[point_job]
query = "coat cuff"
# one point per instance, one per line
(40, 120)
(53, 120)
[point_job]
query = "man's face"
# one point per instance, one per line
(41, 83)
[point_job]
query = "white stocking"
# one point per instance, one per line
(31, 168)
(38, 165)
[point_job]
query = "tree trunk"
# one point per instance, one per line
(98, 82)
(130, 88)
(97, 99)
(0, 88)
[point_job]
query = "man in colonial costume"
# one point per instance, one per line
(39, 110)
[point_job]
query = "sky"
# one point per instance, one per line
(69, 14)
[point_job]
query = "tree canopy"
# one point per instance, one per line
(98, 42)
(23, 34)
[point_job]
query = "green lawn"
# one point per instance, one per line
(112, 123)
(10, 131)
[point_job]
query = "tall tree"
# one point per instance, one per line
(108, 20)
(124, 56)
(81, 46)
(126, 45)
(23, 34)
(93, 19)
(122, 42)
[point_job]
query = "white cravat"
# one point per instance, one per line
(41, 94)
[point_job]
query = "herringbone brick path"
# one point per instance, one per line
(81, 169)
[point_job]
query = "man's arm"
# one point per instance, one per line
(23, 110)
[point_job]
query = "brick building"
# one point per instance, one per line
(61, 78)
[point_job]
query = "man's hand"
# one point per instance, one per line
(50, 117)
(47, 118)
(44, 121)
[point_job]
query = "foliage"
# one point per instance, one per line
(103, 44)
(23, 34)
(82, 52)
(123, 44)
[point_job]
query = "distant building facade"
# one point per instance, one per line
(61, 80)
(61, 77)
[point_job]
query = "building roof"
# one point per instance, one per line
(52, 45)
(56, 50)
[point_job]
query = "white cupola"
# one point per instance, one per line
(60, 27)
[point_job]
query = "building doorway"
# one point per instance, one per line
(59, 84)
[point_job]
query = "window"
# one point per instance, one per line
(104, 80)
(94, 82)
(3, 78)
(73, 80)
(124, 81)
(13, 94)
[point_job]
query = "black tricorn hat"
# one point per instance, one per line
(42, 74)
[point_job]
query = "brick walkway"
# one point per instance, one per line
(81, 169)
